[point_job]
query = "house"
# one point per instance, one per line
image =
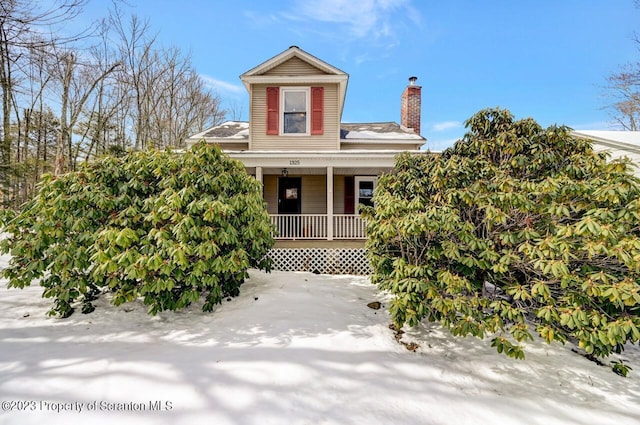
(617, 143)
(315, 169)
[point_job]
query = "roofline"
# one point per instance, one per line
(222, 141)
(288, 54)
(200, 136)
(369, 123)
(355, 140)
(608, 142)
(295, 79)
(382, 141)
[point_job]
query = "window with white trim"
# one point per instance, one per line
(364, 187)
(295, 110)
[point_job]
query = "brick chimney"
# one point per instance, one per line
(411, 102)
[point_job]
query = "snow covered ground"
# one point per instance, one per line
(294, 348)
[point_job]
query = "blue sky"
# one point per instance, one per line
(545, 59)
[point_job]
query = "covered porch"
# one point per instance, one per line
(315, 196)
(317, 203)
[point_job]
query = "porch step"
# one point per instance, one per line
(352, 261)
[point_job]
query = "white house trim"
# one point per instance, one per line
(293, 51)
(618, 144)
(295, 79)
(330, 203)
(341, 159)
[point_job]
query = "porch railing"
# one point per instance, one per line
(314, 226)
(348, 226)
(300, 226)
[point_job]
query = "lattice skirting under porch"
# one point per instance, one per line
(321, 260)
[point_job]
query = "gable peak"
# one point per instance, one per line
(291, 52)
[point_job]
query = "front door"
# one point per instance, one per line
(289, 195)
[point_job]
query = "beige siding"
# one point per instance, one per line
(338, 194)
(314, 194)
(270, 184)
(330, 140)
(295, 66)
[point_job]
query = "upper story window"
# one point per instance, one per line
(295, 111)
(295, 107)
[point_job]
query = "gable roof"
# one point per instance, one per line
(293, 51)
(327, 73)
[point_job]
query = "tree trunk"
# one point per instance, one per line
(7, 100)
(60, 166)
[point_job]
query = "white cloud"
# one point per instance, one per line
(222, 86)
(446, 125)
(439, 145)
(261, 20)
(363, 19)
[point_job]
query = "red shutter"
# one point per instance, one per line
(272, 110)
(349, 195)
(317, 110)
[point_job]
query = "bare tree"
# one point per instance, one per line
(26, 168)
(623, 89)
(101, 125)
(73, 100)
(22, 25)
(235, 110)
(136, 50)
(111, 97)
(168, 99)
(183, 104)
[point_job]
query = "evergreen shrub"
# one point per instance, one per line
(515, 229)
(166, 227)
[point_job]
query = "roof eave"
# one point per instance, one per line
(190, 141)
(607, 142)
(412, 142)
(293, 51)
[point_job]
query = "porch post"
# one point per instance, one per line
(259, 174)
(329, 203)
